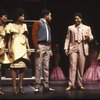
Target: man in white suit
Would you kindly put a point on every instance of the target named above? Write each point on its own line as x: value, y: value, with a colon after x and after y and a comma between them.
x: 77, y: 48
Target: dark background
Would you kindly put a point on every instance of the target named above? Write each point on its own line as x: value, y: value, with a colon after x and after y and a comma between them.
x: 62, y: 16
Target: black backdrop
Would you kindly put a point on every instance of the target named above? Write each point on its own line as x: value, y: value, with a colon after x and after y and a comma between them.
x: 62, y: 16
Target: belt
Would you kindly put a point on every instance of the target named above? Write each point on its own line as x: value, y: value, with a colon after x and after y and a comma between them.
x: 44, y: 43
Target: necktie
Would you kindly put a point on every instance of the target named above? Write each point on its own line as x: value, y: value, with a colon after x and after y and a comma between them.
x: 48, y: 32
x: 79, y: 35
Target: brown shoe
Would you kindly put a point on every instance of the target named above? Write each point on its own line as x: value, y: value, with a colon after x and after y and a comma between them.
x: 49, y: 89
x: 1, y: 92
x: 69, y: 88
x: 36, y: 90
x: 82, y: 88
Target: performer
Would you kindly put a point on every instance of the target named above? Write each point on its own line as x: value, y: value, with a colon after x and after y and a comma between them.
x: 41, y: 36
x: 56, y: 73
x: 19, y: 49
x: 77, y: 48
x: 3, y: 56
x: 93, y: 72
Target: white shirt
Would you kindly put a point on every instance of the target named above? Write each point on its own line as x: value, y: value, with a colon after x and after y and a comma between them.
x: 47, y: 31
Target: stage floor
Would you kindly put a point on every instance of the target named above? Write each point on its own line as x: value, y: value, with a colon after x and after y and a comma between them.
x: 92, y: 92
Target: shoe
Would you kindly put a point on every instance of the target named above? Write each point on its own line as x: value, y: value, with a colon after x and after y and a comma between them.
x: 21, y: 90
x: 49, y: 89
x: 1, y: 92
x: 36, y: 90
x: 82, y: 88
x: 69, y: 88
x: 15, y: 91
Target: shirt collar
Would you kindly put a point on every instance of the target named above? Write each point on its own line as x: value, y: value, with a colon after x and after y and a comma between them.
x: 43, y: 20
x: 79, y: 26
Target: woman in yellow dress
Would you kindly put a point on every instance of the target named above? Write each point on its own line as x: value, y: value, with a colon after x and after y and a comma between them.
x: 3, y: 56
x: 19, y: 49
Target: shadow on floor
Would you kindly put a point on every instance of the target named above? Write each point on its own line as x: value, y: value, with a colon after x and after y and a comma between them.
x: 92, y: 92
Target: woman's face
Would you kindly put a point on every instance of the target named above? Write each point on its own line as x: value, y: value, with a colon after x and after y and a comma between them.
x: 4, y: 18
x: 21, y: 18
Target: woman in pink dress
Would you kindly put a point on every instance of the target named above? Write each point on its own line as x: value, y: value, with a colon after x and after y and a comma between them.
x: 93, y: 72
x: 57, y: 73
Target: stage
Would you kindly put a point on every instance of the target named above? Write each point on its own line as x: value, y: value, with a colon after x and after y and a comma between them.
x: 92, y: 91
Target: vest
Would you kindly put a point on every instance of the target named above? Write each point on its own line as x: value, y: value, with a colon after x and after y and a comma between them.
x: 42, y: 34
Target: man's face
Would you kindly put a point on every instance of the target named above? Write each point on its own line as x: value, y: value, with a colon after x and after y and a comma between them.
x: 78, y: 20
x: 4, y: 18
x: 48, y: 17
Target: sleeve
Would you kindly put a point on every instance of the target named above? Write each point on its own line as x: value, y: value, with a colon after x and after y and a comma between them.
x: 35, y: 29
x: 67, y: 40
x: 8, y: 28
x: 26, y: 33
x: 25, y: 28
x: 90, y: 34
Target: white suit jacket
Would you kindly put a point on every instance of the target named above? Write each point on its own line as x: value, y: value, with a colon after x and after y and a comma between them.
x: 70, y: 41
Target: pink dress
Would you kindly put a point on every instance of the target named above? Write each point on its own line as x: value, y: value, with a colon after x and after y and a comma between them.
x: 93, y: 72
x: 57, y: 73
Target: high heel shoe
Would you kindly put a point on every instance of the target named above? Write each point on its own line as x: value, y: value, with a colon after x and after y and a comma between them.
x: 1, y: 92
x: 21, y: 90
x: 15, y: 91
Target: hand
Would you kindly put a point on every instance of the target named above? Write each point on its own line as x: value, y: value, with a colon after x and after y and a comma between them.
x: 66, y: 52
x: 86, y: 37
x: 2, y: 52
x: 29, y: 52
x: 11, y: 53
x: 51, y: 53
x: 37, y: 53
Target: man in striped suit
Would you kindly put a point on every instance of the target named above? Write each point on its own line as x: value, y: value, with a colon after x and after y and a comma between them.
x: 77, y: 48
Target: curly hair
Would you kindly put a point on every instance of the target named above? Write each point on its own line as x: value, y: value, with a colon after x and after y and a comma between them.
x: 78, y: 14
x: 17, y: 12
x: 2, y: 12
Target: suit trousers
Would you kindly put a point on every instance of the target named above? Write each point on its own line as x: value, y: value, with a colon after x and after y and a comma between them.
x: 77, y: 63
x: 42, y: 65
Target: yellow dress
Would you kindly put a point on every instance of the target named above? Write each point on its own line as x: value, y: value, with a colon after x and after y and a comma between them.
x: 98, y: 58
x: 3, y: 57
x: 18, y: 45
